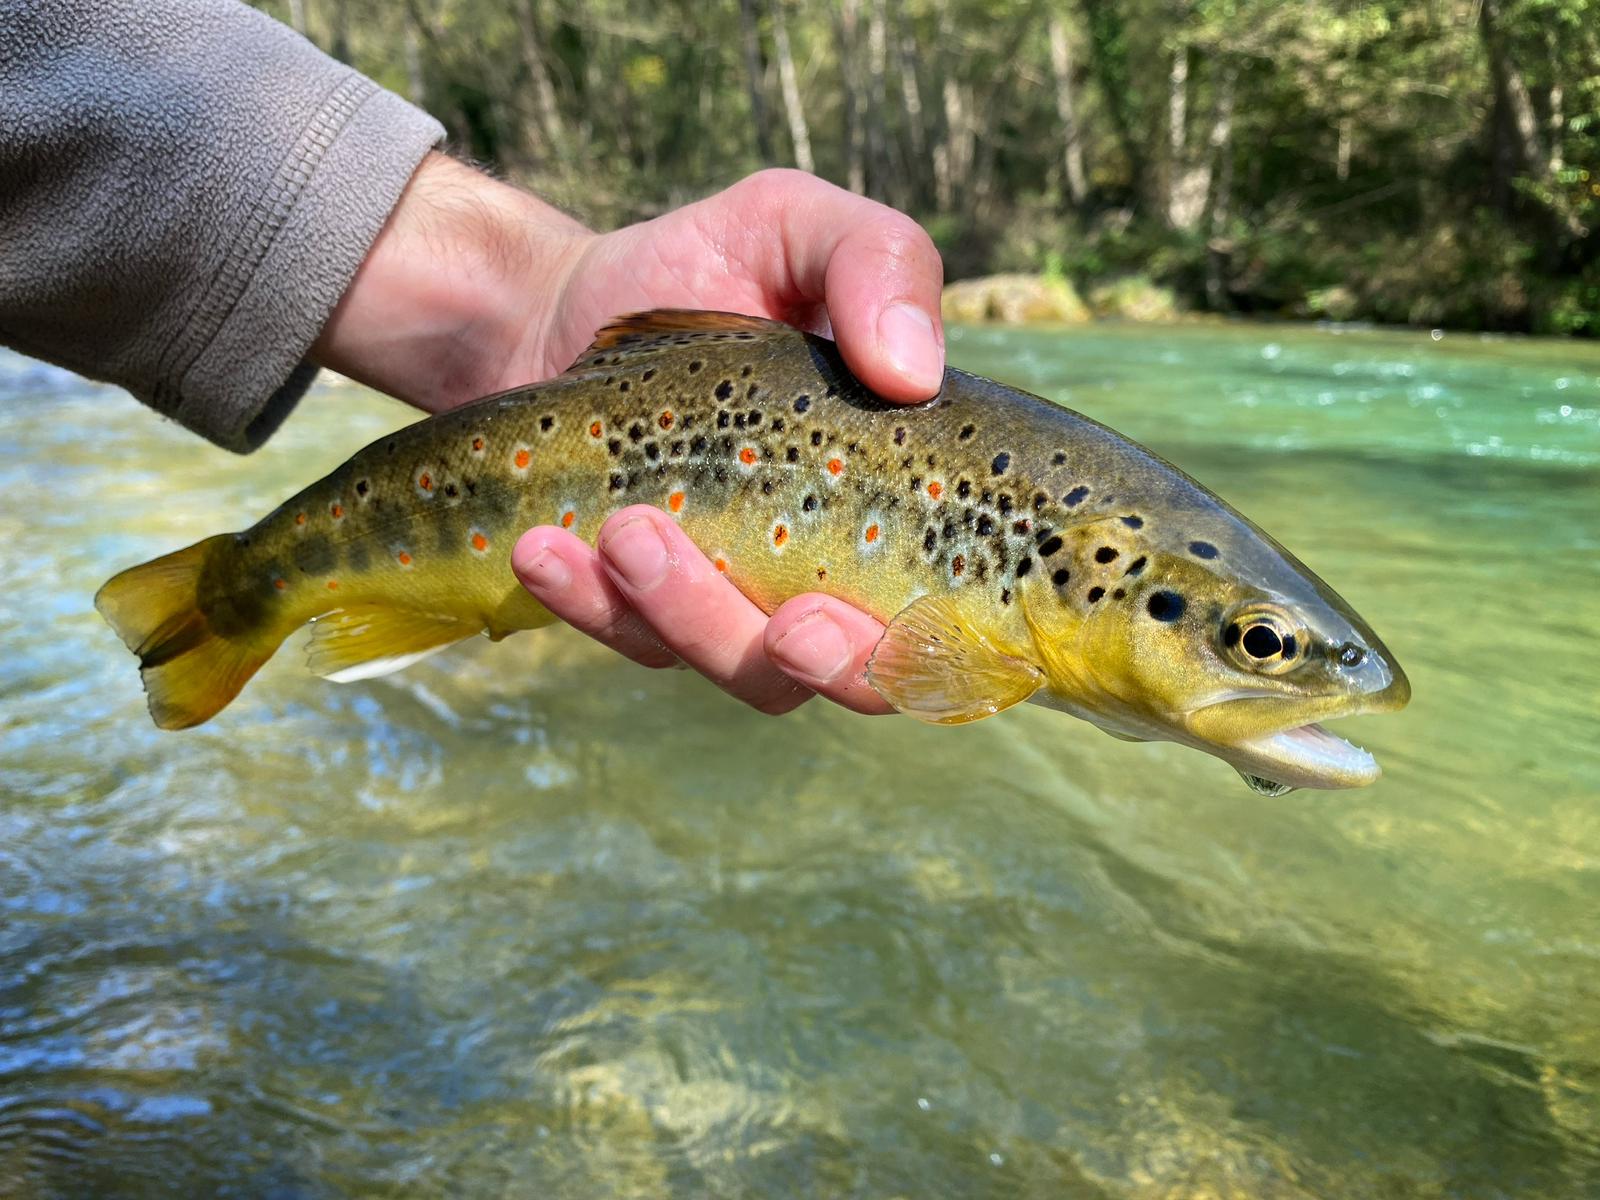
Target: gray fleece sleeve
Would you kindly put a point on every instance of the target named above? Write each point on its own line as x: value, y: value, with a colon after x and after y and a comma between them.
x: 186, y: 189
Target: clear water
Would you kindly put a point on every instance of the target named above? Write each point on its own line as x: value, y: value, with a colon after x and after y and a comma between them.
x: 528, y: 920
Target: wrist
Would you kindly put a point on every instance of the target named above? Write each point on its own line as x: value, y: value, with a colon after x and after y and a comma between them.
x: 458, y: 294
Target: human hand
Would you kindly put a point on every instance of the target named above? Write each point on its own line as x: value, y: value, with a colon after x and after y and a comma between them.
x: 443, y: 311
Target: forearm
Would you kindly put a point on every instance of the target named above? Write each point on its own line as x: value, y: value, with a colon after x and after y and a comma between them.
x: 453, y: 300
x: 186, y: 190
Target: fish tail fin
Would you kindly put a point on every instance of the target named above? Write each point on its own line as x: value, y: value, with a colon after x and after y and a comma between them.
x: 190, y: 671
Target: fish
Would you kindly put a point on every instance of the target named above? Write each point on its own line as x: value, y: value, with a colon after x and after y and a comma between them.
x: 1015, y: 550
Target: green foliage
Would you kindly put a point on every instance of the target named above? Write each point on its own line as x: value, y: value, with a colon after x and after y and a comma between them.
x: 1376, y: 159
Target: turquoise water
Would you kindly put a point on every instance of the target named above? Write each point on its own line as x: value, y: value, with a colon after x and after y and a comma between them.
x: 529, y: 920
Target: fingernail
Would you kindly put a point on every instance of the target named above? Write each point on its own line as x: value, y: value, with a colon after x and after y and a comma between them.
x: 905, y: 334
x: 637, y: 552
x: 814, y: 647
x: 546, y: 571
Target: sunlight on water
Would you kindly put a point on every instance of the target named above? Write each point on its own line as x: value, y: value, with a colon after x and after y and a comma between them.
x: 529, y: 920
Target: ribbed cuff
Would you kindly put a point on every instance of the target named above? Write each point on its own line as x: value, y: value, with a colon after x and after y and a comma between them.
x: 292, y: 261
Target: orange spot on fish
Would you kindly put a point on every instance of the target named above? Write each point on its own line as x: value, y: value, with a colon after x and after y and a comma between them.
x: 872, y: 533
x: 936, y: 489
x: 780, y: 534
x: 747, y: 456
x: 477, y: 445
x: 279, y: 584
x: 299, y: 518
x: 835, y: 466
x: 721, y: 564
x: 596, y: 428
x: 403, y: 558
x: 522, y: 458
x: 480, y: 543
x: 675, y: 502
x: 425, y: 482
x: 336, y: 511
x: 333, y: 585
x: 665, y: 419
x: 567, y: 518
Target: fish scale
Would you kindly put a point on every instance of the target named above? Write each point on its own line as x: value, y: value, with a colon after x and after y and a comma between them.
x: 1019, y: 523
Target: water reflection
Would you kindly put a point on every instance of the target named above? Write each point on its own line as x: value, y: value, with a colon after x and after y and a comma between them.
x: 529, y: 920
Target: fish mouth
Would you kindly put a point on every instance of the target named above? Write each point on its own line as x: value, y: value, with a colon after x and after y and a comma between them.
x: 1307, y: 756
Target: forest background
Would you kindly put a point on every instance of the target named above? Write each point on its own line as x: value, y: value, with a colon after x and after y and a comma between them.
x: 1433, y: 163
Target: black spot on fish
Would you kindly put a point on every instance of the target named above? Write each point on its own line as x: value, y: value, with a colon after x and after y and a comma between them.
x: 738, y: 420
x: 1105, y: 554
x: 623, y: 386
x: 615, y: 446
x: 648, y: 375
x: 1050, y: 545
x: 1000, y: 463
x: 1005, y: 504
x: 900, y: 435
x: 677, y: 449
x: 967, y: 431
x: 1075, y: 497
x: 698, y: 444
x: 390, y: 446
x: 766, y: 487
x: 1202, y: 549
x: 931, y: 461
x: 755, y: 416
x: 930, y: 539
x: 652, y: 451
x: 801, y: 403
x: 792, y: 454
x: 313, y: 554
x: 1169, y: 606
x: 1133, y: 522
x: 724, y: 389
x: 1024, y: 565
x: 964, y: 489
x: 546, y: 423
x: 618, y: 482
x: 451, y: 491
x: 985, y: 526
x: 1039, y: 501
x: 744, y: 371
x: 816, y: 437
x: 361, y: 487
x: 722, y: 420
x: 635, y: 432
x: 1005, y: 596
x: 949, y: 530
x: 1060, y: 458
x: 809, y: 504
x: 694, y: 367
x: 777, y: 425
x: 1136, y: 566
x: 1095, y: 593
x: 1060, y: 577
x: 1118, y: 593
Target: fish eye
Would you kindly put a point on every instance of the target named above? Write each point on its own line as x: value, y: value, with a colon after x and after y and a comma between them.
x: 1262, y: 640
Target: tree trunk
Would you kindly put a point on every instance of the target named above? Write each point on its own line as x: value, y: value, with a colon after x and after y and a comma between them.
x: 799, y: 131
x: 905, y: 63
x: 297, y: 16
x: 847, y: 29
x: 755, y: 73
x: 883, y: 180
x: 1219, y: 247
x: 1066, y: 111
x: 545, y: 133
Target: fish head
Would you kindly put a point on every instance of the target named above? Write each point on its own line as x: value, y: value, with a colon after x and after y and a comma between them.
x: 1225, y: 642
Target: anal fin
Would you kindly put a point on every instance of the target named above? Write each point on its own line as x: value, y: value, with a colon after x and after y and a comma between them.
x: 934, y: 664
x: 368, y: 640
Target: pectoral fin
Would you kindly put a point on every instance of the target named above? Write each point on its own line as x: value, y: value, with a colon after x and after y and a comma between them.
x: 935, y: 665
x: 365, y: 641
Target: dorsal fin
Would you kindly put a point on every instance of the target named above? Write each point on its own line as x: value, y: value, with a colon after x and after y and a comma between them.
x: 663, y: 324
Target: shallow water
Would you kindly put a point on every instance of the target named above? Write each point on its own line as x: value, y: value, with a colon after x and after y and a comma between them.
x: 530, y: 920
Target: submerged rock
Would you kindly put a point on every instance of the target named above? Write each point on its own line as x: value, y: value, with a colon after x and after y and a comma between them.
x: 1014, y: 300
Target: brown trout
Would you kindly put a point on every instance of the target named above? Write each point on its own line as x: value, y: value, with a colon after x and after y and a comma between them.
x: 1015, y: 549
